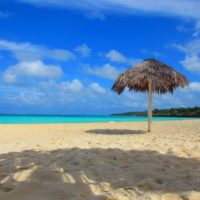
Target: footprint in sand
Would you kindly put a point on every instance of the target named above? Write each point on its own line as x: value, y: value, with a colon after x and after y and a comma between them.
x: 7, y: 184
x: 149, y: 184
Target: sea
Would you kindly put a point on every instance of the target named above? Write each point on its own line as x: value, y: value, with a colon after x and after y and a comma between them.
x: 51, y: 119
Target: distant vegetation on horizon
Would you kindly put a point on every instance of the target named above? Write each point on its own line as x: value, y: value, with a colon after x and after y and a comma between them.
x: 172, y: 112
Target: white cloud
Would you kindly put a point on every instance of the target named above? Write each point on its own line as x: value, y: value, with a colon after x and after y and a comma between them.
x: 67, y: 87
x: 23, y: 97
x: 45, y: 93
x: 116, y: 56
x: 192, y: 55
x: 52, y: 94
x: 192, y: 47
x: 192, y: 63
x: 197, y: 29
x: 84, y: 50
x: 106, y: 71
x: 182, y: 8
x: 97, y: 88
x: 74, y: 86
x: 60, y: 54
x: 30, y: 52
x: 33, y: 69
x: 195, y: 86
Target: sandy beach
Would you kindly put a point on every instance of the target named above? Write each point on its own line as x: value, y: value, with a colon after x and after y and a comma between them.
x: 100, y: 161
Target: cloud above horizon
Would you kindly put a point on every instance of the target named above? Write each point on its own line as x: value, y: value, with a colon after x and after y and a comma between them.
x: 14, y: 75
x: 47, y: 88
x: 107, y: 71
x: 97, y: 88
x: 83, y: 50
x: 117, y: 57
x: 27, y: 51
x: 192, y: 55
x: 74, y: 95
x: 180, y: 8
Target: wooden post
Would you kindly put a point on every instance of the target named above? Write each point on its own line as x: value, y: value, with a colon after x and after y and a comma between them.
x: 150, y: 107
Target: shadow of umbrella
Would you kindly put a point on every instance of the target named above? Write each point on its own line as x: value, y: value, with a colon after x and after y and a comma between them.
x: 115, y: 131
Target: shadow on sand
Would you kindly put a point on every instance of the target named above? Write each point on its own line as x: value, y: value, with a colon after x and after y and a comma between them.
x: 115, y: 131
x: 81, y: 173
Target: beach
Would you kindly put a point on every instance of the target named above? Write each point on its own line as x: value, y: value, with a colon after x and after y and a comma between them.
x: 100, y: 161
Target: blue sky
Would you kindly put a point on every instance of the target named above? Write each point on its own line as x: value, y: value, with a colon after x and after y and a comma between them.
x: 62, y: 56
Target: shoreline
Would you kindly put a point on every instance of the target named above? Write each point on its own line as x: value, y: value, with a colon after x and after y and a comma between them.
x: 164, y: 119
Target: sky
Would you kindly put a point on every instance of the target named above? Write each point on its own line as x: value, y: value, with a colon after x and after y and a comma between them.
x: 63, y: 56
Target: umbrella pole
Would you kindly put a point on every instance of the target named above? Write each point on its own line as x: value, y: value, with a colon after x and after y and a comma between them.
x: 150, y: 107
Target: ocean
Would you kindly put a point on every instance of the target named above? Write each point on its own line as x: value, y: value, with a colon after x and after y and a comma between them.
x: 48, y: 119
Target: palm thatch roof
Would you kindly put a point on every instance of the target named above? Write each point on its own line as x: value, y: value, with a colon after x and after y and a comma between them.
x: 163, y: 78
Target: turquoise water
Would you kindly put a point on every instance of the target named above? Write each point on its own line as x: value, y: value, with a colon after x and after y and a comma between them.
x: 41, y: 119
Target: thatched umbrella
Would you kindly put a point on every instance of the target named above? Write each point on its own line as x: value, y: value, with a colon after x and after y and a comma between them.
x: 150, y: 76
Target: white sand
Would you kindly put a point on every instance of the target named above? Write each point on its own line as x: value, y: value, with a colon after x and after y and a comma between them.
x: 106, y: 161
